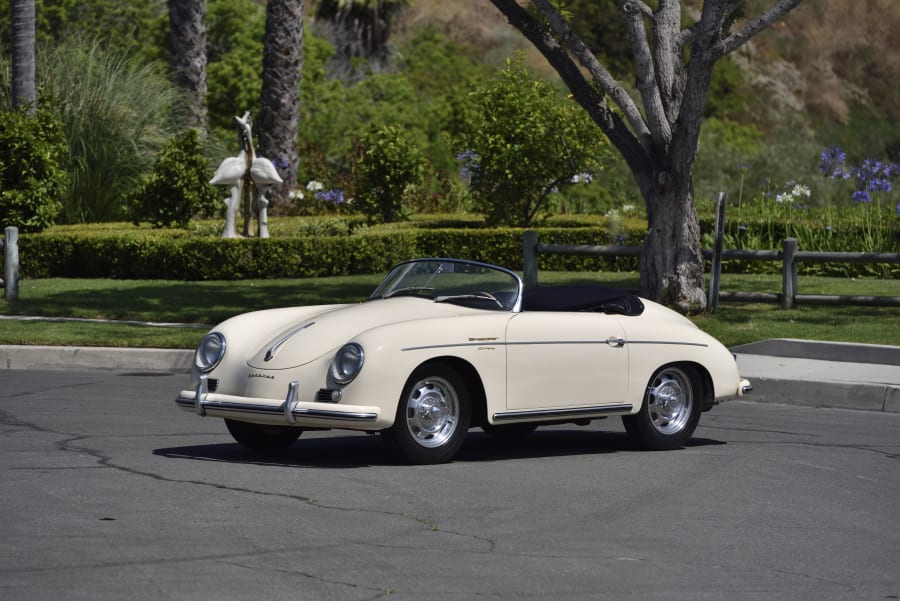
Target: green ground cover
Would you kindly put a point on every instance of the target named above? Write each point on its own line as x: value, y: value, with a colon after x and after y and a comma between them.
x: 205, y: 303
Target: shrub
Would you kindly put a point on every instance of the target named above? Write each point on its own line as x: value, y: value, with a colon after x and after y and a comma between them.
x: 389, y: 168
x: 177, y: 188
x: 32, y: 182
x: 525, y: 142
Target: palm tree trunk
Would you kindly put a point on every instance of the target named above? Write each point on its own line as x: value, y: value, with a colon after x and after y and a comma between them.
x: 280, y: 98
x: 24, y: 93
x: 188, y: 22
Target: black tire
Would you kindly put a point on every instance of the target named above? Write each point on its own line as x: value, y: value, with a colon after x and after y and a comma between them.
x: 432, y: 416
x: 509, y: 431
x: 670, y: 410
x: 266, y: 439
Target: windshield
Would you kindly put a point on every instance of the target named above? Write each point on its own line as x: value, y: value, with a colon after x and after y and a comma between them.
x: 454, y: 281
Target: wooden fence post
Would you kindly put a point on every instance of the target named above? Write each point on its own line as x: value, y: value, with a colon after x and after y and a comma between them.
x: 11, y: 264
x: 788, y: 273
x: 712, y: 303
x: 530, y: 269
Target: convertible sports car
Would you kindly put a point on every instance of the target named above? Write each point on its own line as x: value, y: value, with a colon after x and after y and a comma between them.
x: 443, y: 345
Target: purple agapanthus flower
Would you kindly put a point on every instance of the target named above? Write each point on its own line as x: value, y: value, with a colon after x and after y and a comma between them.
x: 469, y: 160
x: 334, y: 196
x: 861, y: 196
x: 832, y: 163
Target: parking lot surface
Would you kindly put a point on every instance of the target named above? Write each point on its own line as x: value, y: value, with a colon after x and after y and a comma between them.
x: 111, y: 492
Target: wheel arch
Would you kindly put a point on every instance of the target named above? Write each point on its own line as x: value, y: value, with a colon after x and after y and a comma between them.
x: 702, y: 376
x: 472, y: 379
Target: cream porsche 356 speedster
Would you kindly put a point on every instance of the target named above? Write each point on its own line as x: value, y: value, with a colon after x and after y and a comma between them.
x: 443, y: 345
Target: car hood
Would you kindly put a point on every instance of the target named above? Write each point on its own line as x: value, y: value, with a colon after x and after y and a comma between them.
x: 307, y: 339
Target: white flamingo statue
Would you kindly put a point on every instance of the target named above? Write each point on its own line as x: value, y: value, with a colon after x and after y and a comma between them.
x: 243, y: 173
x: 264, y: 176
x: 231, y: 173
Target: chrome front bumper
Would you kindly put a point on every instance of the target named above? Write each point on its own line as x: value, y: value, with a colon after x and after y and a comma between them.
x: 288, y: 411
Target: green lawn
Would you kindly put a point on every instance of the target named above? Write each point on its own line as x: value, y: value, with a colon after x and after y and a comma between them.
x: 206, y: 303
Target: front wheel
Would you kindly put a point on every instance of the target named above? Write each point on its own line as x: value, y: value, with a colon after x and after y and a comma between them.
x: 432, y: 415
x: 670, y: 411
x: 257, y: 437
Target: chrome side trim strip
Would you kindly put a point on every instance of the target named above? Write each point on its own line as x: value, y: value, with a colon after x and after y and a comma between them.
x: 619, y: 343
x: 560, y: 413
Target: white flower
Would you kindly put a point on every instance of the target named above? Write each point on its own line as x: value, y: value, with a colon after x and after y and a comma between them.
x: 627, y: 208
x: 295, y: 194
x: 579, y: 178
x: 800, y: 190
x: 315, y: 186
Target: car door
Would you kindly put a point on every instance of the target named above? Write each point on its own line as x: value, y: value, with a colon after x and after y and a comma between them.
x: 557, y: 360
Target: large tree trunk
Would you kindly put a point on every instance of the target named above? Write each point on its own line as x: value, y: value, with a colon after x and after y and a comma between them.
x: 188, y: 22
x: 672, y: 269
x: 24, y: 93
x: 280, y: 100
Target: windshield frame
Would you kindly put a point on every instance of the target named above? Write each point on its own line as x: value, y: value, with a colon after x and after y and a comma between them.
x: 400, y: 282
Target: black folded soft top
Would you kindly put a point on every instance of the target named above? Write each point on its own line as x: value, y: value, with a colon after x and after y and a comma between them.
x: 582, y: 297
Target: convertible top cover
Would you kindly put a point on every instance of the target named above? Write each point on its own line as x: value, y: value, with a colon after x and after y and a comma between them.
x: 582, y: 297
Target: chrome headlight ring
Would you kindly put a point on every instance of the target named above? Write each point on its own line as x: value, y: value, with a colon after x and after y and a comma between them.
x: 209, y: 352
x: 347, y: 363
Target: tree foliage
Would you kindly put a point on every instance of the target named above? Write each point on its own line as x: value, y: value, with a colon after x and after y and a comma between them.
x: 32, y: 179
x: 523, y: 142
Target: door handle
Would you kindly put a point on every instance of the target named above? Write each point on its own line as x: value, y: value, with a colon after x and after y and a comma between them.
x: 615, y: 341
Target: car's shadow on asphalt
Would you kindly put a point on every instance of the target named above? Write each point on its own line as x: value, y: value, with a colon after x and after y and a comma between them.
x: 355, y: 451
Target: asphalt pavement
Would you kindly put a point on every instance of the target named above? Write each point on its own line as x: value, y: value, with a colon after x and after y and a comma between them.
x: 785, y: 371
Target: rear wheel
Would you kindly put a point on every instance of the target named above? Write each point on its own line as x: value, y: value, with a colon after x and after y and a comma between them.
x: 432, y: 416
x: 670, y: 411
x: 258, y: 437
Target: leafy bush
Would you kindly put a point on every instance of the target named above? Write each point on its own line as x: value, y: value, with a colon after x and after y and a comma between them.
x: 32, y: 182
x: 525, y: 142
x: 389, y: 169
x: 177, y: 188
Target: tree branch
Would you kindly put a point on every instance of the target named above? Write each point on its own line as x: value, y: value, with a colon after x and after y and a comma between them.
x: 628, y: 142
x: 597, y: 72
x: 645, y: 72
x: 755, y: 26
x: 667, y: 50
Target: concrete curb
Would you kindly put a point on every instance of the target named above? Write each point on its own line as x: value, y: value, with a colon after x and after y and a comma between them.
x: 109, y: 358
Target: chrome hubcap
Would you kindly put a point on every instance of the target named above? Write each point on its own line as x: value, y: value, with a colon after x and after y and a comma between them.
x: 669, y: 401
x: 432, y: 412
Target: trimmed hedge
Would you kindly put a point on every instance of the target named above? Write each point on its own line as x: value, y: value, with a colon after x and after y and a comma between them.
x: 152, y: 255
x: 127, y: 252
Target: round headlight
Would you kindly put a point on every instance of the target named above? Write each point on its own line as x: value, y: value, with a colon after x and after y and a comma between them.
x: 347, y: 363
x: 209, y: 352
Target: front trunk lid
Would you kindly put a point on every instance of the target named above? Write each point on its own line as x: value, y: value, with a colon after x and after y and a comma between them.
x: 308, y: 339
